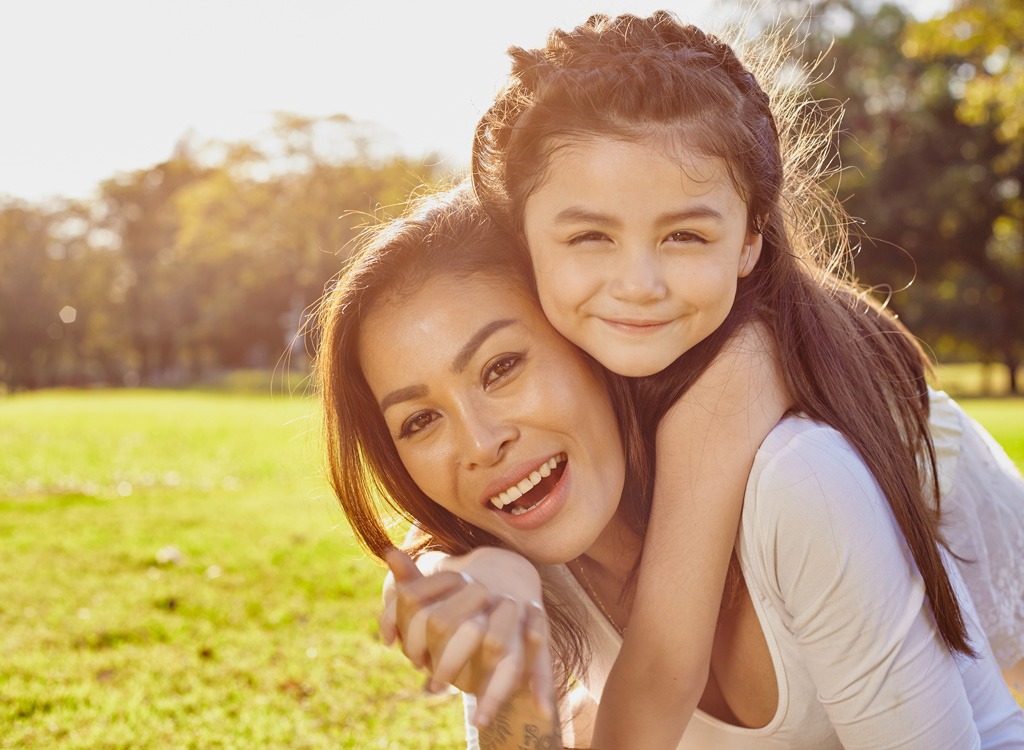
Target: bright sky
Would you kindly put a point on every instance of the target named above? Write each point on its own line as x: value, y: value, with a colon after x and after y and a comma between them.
x: 91, y: 88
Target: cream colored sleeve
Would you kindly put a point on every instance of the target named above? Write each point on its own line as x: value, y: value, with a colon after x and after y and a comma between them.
x: 834, y: 559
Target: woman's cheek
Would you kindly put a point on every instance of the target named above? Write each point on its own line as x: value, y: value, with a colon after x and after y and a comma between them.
x: 422, y: 468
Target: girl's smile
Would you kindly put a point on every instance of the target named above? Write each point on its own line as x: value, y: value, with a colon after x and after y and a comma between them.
x: 637, y: 249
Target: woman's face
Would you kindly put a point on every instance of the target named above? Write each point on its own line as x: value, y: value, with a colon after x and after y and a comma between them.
x: 495, y: 416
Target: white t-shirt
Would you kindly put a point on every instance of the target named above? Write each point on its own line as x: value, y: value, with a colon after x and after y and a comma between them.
x: 843, y: 609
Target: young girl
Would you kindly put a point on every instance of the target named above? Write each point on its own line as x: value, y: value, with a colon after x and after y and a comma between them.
x: 643, y: 165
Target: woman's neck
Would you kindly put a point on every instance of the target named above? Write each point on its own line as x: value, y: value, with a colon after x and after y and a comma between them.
x: 615, y: 553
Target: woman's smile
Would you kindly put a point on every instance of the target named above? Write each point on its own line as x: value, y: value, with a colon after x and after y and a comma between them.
x: 495, y: 416
x: 531, y: 489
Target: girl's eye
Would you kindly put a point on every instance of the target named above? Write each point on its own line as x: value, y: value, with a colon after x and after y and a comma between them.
x: 500, y: 368
x: 416, y: 423
x: 685, y: 236
x: 585, y: 237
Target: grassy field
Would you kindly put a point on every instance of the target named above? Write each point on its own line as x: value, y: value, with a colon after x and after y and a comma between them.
x: 175, y: 574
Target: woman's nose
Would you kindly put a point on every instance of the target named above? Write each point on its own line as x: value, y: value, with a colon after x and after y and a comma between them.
x: 487, y: 436
x: 638, y: 278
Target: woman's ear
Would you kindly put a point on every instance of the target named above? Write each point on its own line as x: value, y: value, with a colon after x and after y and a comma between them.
x: 749, y: 254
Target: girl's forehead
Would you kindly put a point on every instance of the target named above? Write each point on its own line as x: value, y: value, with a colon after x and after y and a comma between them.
x: 659, y: 145
x: 624, y: 169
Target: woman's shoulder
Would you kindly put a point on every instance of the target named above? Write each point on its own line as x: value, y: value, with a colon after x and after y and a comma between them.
x: 815, y: 521
x: 798, y: 444
x: 807, y: 475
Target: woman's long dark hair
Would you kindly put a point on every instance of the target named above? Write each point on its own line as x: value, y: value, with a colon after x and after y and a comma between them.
x: 442, y: 235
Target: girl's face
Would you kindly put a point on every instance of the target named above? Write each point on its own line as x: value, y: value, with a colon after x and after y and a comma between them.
x: 495, y: 416
x: 637, y: 249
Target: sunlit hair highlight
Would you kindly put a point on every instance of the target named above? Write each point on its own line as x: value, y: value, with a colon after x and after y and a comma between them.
x: 845, y: 359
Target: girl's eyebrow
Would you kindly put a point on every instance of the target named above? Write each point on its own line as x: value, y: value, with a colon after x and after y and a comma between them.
x: 577, y: 214
x: 458, y: 364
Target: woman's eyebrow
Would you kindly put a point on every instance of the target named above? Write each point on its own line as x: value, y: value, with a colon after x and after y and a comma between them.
x: 476, y: 341
x: 458, y: 364
x: 402, y: 394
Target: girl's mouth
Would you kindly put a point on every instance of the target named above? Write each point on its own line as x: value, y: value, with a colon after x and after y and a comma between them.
x: 636, y: 326
x: 526, y: 495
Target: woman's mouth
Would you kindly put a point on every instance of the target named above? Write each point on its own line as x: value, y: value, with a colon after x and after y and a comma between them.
x: 531, y: 490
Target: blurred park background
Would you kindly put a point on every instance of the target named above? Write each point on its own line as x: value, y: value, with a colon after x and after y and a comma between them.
x: 174, y: 573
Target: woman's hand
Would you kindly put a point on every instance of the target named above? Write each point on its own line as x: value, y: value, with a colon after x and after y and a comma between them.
x: 487, y: 636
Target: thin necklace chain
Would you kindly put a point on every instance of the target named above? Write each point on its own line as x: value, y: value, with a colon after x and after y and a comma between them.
x: 596, y: 598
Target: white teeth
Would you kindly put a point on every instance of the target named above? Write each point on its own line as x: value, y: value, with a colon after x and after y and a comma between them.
x: 516, y: 491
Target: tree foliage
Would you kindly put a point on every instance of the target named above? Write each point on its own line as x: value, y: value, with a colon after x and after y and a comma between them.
x: 210, y: 259
x: 206, y: 261
x: 931, y: 151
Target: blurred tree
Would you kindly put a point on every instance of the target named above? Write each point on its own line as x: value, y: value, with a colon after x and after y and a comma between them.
x: 980, y: 44
x: 208, y: 260
x: 29, y: 303
x: 139, y: 209
x: 930, y: 179
x: 264, y: 231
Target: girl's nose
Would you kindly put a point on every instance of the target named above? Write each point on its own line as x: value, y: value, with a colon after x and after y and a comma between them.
x: 638, y: 278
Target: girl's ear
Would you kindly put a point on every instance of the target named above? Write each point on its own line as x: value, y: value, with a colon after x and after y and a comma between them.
x: 750, y: 254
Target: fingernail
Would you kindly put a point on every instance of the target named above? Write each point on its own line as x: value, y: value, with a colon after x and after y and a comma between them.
x: 481, y: 720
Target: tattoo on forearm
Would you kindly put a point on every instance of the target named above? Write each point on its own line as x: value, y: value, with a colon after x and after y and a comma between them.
x: 501, y: 734
x: 534, y: 740
x: 499, y: 731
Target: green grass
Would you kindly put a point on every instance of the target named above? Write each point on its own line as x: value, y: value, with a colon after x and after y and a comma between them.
x: 176, y: 574
x: 1004, y: 419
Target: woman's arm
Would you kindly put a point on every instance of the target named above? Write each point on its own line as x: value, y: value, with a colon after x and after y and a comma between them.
x: 444, y: 614
x: 514, y: 728
x: 705, y: 447
x: 824, y: 545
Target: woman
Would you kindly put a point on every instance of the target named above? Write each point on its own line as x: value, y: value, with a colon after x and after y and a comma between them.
x: 445, y: 387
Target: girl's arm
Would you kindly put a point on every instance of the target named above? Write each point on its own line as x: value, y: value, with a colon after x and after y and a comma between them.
x: 705, y: 448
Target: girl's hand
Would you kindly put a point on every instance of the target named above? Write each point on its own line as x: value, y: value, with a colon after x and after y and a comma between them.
x: 481, y: 638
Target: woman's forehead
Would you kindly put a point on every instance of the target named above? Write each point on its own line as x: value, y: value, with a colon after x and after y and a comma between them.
x: 445, y: 310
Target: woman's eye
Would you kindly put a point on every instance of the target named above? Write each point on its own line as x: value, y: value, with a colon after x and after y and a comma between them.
x: 585, y: 237
x: 416, y: 423
x: 500, y: 368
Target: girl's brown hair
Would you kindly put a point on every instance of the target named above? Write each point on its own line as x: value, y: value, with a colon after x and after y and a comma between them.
x: 846, y: 361
x: 441, y: 235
